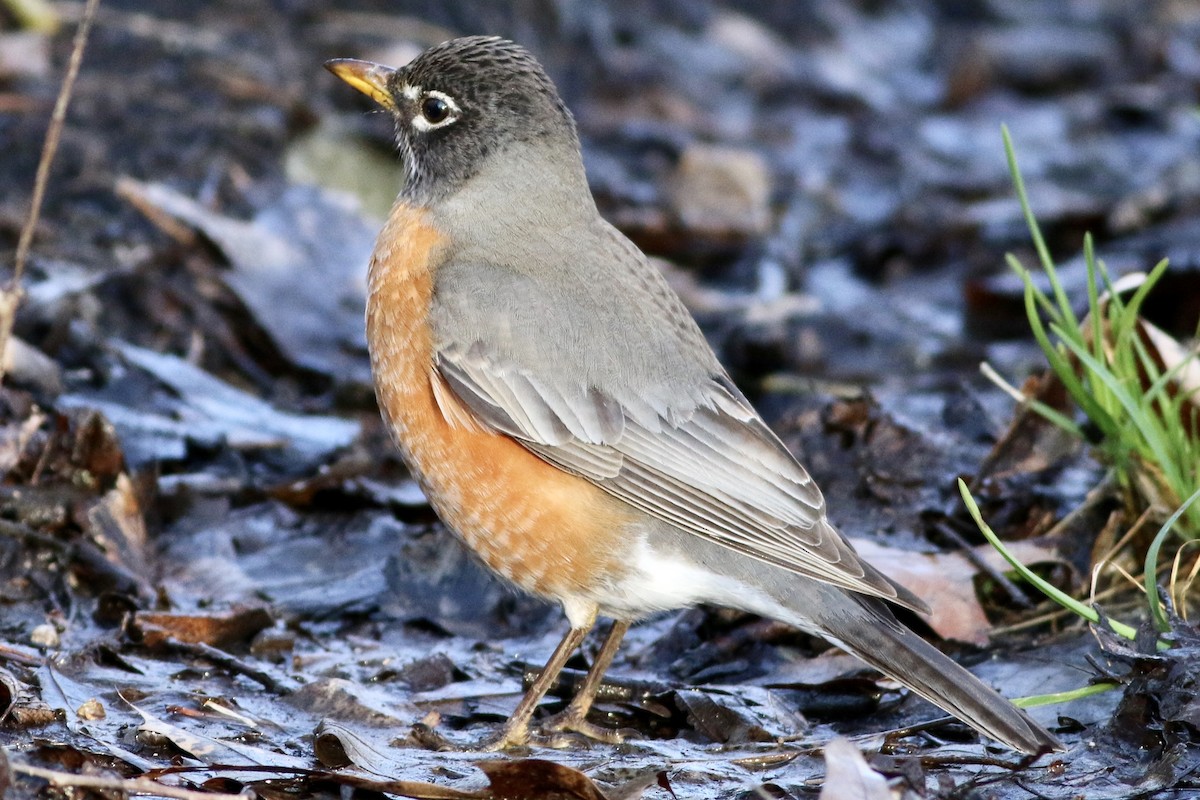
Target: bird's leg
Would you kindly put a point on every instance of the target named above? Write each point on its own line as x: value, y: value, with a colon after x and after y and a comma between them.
x: 516, y: 730
x: 574, y: 717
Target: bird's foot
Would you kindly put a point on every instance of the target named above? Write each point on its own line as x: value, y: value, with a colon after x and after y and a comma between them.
x: 571, y: 720
x: 553, y: 733
x: 425, y: 734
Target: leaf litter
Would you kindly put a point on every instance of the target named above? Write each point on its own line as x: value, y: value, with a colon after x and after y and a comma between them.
x: 217, y: 576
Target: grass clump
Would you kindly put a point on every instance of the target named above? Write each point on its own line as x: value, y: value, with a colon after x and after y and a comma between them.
x: 1139, y: 392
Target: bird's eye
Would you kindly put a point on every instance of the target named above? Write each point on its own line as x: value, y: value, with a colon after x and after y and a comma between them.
x: 435, y: 110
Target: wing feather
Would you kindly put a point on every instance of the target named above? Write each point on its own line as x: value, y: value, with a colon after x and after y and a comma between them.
x: 718, y: 473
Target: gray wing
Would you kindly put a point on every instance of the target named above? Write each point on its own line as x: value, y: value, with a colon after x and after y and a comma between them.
x: 648, y: 414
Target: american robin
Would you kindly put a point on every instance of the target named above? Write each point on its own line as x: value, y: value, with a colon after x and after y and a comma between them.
x: 565, y: 415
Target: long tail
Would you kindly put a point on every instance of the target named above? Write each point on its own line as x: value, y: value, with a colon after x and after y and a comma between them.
x: 866, y: 628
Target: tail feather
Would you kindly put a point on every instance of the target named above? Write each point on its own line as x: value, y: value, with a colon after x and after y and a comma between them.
x: 867, y: 629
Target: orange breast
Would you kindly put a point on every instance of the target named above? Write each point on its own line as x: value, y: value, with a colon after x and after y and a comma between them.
x: 546, y: 530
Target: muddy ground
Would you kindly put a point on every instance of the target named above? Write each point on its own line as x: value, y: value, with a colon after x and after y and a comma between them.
x: 214, y: 571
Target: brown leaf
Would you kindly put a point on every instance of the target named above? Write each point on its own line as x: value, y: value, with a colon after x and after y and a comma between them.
x: 116, y: 523
x: 946, y: 582
x: 537, y: 779
x: 218, y: 629
x: 15, y: 437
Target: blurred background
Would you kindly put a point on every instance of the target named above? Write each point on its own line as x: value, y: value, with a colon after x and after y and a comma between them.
x: 190, y: 452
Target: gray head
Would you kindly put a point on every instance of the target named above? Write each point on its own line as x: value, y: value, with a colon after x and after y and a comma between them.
x: 459, y: 103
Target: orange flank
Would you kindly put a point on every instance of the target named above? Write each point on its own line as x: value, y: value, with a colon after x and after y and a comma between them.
x: 546, y: 530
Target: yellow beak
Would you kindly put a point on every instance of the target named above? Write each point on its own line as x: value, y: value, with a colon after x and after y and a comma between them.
x: 368, y: 77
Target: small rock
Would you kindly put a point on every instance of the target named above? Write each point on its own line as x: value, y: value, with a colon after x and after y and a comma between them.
x: 768, y: 57
x: 722, y: 190
x: 91, y: 709
x: 45, y: 635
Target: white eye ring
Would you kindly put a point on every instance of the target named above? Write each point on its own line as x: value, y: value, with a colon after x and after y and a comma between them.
x: 443, y: 106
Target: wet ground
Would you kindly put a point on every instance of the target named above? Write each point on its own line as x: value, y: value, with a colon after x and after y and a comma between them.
x: 214, y: 570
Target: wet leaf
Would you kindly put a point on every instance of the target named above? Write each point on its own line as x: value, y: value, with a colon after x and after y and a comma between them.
x: 848, y: 777
x: 336, y: 745
x: 299, y: 265
x: 736, y: 715
x: 537, y: 779
x: 116, y: 523
x: 350, y: 702
x: 202, y: 408
x: 214, y: 751
x: 10, y: 692
x: 217, y: 628
x: 946, y: 582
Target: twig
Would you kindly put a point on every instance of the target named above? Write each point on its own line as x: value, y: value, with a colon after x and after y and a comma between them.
x: 129, y: 785
x: 19, y: 654
x: 10, y: 297
x: 233, y: 664
x: 1014, y: 592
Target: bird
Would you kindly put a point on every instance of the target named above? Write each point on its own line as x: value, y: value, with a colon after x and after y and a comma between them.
x: 565, y: 415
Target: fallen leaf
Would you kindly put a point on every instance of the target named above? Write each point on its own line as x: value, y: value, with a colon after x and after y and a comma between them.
x: 537, y: 779
x: 218, y: 629
x: 946, y: 582
x: 848, y: 777
x: 299, y: 265
x: 215, y: 751
x: 203, y: 408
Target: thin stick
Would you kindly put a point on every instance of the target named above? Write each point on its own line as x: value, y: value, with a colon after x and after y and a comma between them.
x: 11, y: 296
x: 128, y: 785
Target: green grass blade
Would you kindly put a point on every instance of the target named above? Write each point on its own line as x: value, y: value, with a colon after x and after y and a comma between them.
x: 1036, y: 700
x: 1035, y: 232
x: 1093, y: 290
x: 1051, y: 310
x: 1130, y: 311
x: 1150, y: 575
x: 1152, y: 436
x: 1065, y: 371
x: 1048, y: 589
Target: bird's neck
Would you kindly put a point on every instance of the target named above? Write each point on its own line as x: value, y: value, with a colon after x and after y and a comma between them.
x: 521, y: 193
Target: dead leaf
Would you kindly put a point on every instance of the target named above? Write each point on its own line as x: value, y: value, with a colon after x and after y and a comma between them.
x: 215, y: 751
x: 946, y: 582
x: 1031, y: 442
x: 203, y: 408
x: 299, y: 265
x: 15, y: 438
x: 217, y: 629
x: 115, y: 522
x: 740, y: 714
x: 348, y: 701
x: 336, y: 746
x: 10, y: 692
x: 848, y: 777
x: 537, y: 779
